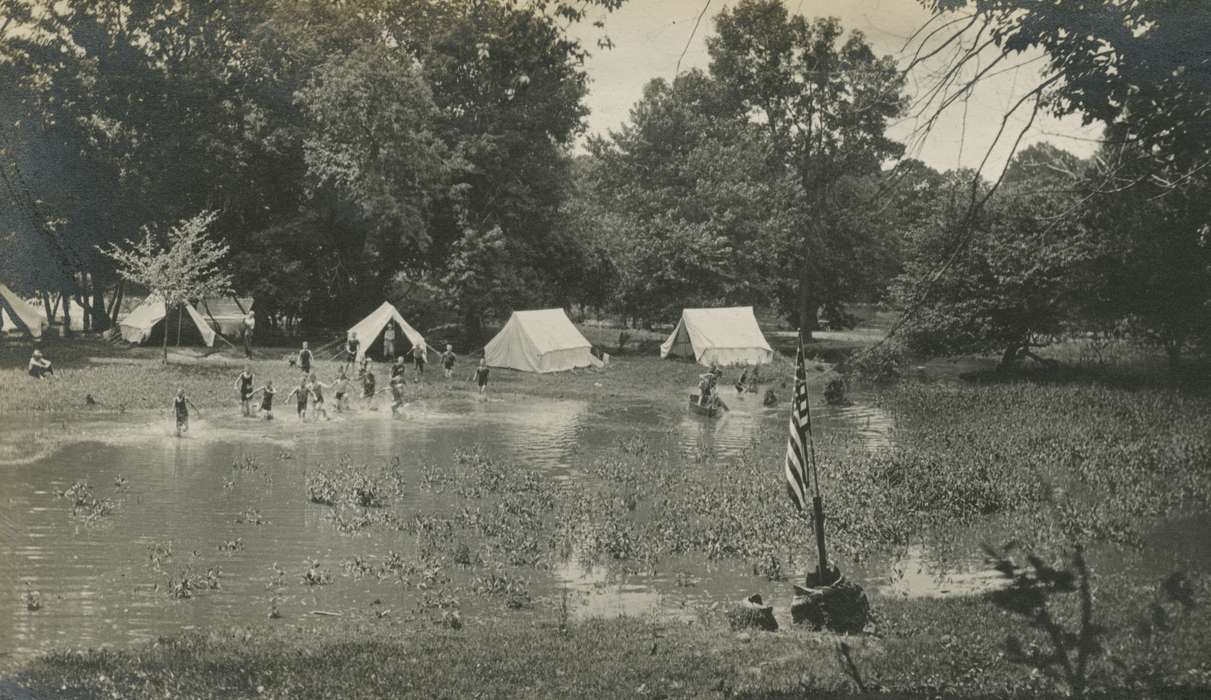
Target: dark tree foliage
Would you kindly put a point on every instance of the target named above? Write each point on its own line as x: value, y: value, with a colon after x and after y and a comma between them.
x: 154, y: 110
x: 1020, y: 281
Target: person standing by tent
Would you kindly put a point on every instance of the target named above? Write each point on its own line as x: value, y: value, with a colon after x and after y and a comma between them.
x: 181, y: 405
x: 243, y: 384
x: 481, y: 377
x: 305, y: 360
x: 249, y: 324
x: 448, y: 358
x: 418, y: 358
x: 39, y: 366
x: 352, y: 346
x: 267, y: 393
x: 389, y: 341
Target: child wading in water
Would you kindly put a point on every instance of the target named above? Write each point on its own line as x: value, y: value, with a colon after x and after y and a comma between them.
x: 481, y: 377
x: 341, y: 386
x: 181, y: 404
x: 244, y: 385
x: 267, y: 393
x: 448, y: 358
x: 397, y: 396
x: 305, y: 359
x: 301, y: 393
x: 368, y: 388
x: 317, y: 396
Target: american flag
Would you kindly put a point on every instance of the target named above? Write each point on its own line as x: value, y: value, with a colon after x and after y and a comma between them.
x: 797, y: 444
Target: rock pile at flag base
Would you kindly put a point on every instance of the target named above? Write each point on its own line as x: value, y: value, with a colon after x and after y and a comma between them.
x: 836, y: 604
x: 751, y: 613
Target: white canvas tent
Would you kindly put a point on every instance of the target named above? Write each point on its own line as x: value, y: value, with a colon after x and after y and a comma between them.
x: 138, y: 324
x: 370, y: 328
x: 18, y: 314
x: 723, y: 337
x: 540, y: 341
x: 226, y: 314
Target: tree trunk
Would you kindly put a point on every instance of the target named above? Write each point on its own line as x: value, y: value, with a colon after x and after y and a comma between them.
x: 179, y: 315
x: 65, y: 297
x: 473, y: 327
x: 116, y: 305
x: 1173, y: 351
x: 1009, y: 357
x: 808, y: 308
x: 165, y: 332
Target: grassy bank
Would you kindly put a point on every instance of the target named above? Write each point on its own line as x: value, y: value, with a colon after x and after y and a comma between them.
x: 131, y: 379
x: 929, y: 648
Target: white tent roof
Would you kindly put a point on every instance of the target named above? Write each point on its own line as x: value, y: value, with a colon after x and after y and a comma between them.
x: 137, y: 325
x: 16, y: 313
x: 727, y: 336
x: 369, y: 328
x: 540, y: 341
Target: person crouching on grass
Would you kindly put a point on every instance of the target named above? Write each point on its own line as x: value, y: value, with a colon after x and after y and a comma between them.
x: 40, y: 367
x: 481, y: 378
x: 301, y: 394
x: 448, y: 358
x: 267, y: 393
x: 243, y: 384
x: 181, y: 404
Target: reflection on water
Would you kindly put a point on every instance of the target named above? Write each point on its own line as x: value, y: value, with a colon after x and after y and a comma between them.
x: 99, y: 585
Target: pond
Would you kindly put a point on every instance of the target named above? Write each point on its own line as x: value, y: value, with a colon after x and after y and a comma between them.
x: 179, y: 505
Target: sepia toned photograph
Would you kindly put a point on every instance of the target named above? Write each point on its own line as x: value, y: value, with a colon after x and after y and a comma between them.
x: 768, y: 349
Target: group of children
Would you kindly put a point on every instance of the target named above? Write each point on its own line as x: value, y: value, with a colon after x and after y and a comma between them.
x: 310, y: 391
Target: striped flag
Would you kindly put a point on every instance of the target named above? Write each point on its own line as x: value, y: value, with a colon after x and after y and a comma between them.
x: 797, y: 443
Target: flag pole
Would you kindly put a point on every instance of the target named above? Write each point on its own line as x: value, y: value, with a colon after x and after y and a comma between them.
x: 817, y: 500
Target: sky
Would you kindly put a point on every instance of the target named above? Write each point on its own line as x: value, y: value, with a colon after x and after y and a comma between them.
x: 650, y: 35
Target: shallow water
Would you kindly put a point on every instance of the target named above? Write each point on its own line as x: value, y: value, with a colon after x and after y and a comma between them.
x: 99, y: 586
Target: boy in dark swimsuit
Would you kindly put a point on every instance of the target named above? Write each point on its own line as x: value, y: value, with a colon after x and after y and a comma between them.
x: 267, y: 393
x: 368, y: 387
x: 305, y: 359
x: 181, y: 404
x: 397, y: 369
x: 448, y: 358
x: 301, y: 394
x: 419, y: 359
x: 317, y: 396
x: 481, y: 377
x: 397, y: 396
x: 243, y: 384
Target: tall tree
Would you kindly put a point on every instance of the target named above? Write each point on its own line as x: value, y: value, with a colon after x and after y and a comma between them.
x: 181, y: 266
x: 825, y: 101
x: 690, y: 198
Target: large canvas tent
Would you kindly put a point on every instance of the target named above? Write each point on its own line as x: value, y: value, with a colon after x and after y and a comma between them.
x: 724, y: 337
x: 370, y: 328
x: 18, y: 314
x: 138, y: 325
x: 540, y: 341
x: 226, y: 314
